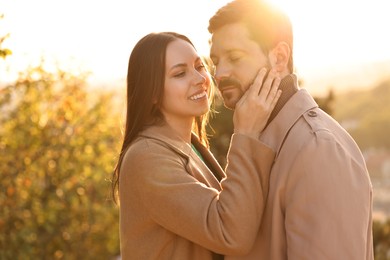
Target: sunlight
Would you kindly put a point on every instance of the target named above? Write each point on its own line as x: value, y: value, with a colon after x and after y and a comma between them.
x: 99, y: 35
x: 335, y: 31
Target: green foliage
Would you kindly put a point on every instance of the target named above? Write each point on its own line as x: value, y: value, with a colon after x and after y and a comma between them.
x: 4, y: 52
x: 381, y: 232
x: 366, y: 115
x: 326, y: 103
x: 57, y: 149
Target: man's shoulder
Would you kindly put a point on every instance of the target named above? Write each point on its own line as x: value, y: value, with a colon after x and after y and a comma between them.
x: 315, y: 124
x: 318, y: 120
x: 319, y: 127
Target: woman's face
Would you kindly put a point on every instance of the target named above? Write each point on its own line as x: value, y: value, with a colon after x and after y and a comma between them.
x: 186, y: 83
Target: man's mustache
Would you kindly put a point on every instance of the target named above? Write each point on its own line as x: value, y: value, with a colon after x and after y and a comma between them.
x: 228, y: 82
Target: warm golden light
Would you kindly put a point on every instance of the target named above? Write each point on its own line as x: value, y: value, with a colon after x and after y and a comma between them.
x: 339, y: 31
x: 98, y: 36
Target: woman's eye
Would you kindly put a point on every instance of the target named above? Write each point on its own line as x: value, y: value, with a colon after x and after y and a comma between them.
x: 200, y: 67
x: 180, y: 74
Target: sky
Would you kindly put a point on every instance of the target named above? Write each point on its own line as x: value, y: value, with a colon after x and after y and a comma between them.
x: 98, y: 35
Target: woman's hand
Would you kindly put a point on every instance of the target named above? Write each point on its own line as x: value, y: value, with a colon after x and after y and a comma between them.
x: 255, y: 106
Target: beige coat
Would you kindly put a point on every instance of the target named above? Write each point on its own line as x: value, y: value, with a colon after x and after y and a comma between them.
x: 320, y: 196
x: 172, y: 206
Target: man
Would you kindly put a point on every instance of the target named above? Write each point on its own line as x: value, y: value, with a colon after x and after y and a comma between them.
x: 319, y: 204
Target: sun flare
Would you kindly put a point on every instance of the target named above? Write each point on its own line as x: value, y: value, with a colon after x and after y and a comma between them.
x: 100, y: 35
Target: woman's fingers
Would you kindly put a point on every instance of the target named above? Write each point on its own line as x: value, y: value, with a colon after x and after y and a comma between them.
x: 274, y: 94
x: 265, y: 86
x: 255, y: 106
x: 264, y: 89
x: 255, y: 88
x: 269, y: 87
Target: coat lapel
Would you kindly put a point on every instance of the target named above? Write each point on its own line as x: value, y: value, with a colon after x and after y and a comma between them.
x: 209, y: 159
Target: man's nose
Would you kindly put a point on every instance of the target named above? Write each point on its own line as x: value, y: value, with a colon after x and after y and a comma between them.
x: 221, y: 72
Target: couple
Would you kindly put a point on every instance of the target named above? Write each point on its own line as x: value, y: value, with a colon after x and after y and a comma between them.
x: 295, y: 185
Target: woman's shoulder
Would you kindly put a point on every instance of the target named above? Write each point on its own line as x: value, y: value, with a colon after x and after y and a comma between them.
x: 142, y: 151
x: 144, y: 145
x: 145, y: 154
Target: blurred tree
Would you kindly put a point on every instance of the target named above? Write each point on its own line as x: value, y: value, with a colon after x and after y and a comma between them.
x: 58, y: 145
x: 381, y: 235
x: 326, y: 103
x: 220, y: 128
x: 4, y: 52
x: 366, y: 115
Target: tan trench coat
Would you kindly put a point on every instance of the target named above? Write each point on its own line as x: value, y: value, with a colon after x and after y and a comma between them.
x: 172, y: 206
x: 319, y: 204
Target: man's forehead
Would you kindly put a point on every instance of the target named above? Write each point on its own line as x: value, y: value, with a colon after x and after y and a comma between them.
x: 220, y: 46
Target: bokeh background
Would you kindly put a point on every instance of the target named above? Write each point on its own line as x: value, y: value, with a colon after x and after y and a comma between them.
x: 63, y: 66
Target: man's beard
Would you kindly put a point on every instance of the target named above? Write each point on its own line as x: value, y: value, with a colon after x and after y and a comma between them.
x: 226, y: 85
x: 231, y: 82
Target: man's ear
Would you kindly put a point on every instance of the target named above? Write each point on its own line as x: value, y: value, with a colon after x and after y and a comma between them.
x: 279, y: 56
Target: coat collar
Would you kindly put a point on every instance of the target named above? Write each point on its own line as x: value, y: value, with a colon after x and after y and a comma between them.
x: 275, y: 133
x: 168, y: 136
x: 289, y: 86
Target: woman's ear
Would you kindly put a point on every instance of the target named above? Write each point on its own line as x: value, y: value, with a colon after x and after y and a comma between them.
x: 279, y: 57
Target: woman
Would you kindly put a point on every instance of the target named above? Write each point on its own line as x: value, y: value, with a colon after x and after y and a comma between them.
x: 173, y: 204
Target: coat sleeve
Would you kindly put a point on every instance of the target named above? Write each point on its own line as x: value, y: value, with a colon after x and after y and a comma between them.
x: 328, y: 203
x: 225, y: 222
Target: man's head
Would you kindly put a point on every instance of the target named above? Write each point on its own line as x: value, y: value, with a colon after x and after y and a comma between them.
x: 246, y: 36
